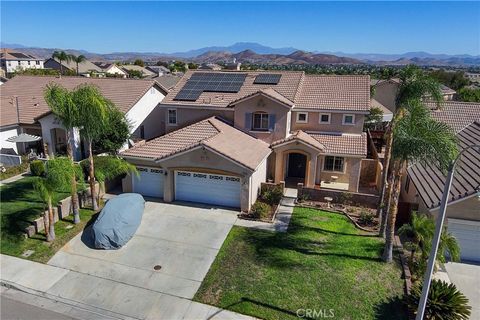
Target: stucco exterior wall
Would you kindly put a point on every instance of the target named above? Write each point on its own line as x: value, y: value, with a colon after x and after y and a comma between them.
x: 335, y: 125
x: 141, y: 111
x: 256, y: 180
x: 350, y: 175
x: 6, y: 133
x: 50, y: 122
x: 468, y: 209
x: 15, y: 65
x: 263, y: 104
x: 187, y: 116
x: 116, y: 70
x: 386, y: 93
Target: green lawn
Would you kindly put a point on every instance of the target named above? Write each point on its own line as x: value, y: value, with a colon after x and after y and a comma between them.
x: 322, y: 262
x: 19, y: 206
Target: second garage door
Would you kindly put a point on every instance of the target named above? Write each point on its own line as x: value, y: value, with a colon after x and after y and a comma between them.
x: 468, y: 236
x: 207, y: 188
x: 149, y: 182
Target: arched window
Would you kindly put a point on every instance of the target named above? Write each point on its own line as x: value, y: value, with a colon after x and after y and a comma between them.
x: 260, y: 121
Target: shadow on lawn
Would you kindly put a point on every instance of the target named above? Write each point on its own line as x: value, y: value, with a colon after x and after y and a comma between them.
x: 392, y: 309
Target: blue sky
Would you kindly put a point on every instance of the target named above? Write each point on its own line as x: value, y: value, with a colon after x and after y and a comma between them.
x: 380, y: 27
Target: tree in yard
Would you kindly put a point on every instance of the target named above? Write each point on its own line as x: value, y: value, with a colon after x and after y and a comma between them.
x: 417, y: 137
x: 374, y: 118
x: 139, y: 62
x: 61, y: 56
x: 469, y: 95
x: 78, y: 59
x: 415, y: 85
x: 93, y: 108
x: 57, y: 177
x: 114, y: 135
x: 61, y: 103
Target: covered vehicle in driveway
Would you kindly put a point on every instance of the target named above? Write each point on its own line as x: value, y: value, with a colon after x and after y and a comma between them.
x: 118, y: 221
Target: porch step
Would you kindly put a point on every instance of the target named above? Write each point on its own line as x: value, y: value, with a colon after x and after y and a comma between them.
x: 290, y: 193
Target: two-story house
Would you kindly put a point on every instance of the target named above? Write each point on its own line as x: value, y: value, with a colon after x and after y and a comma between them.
x: 227, y: 132
x: 12, y: 61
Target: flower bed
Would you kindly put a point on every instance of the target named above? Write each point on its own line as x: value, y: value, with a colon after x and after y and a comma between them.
x: 265, y: 208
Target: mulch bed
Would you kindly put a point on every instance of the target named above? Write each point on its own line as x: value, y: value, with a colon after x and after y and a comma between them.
x: 270, y: 218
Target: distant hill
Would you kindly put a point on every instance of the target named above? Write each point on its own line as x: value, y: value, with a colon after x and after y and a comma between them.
x: 250, y: 52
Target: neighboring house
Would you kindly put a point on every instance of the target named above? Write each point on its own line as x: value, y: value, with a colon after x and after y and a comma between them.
x: 167, y: 81
x: 159, y: 70
x: 424, y: 184
x: 145, y: 72
x: 3, y: 80
x: 386, y: 92
x: 23, y: 109
x: 112, y: 69
x: 474, y: 77
x: 226, y: 132
x: 84, y: 69
x: 12, y: 61
x: 210, y: 66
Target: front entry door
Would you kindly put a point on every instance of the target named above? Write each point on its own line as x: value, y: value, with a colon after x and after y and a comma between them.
x: 297, y: 164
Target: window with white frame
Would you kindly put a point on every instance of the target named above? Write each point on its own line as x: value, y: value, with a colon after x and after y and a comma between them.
x: 324, y: 118
x: 348, y: 119
x: 172, y: 116
x: 302, y: 117
x: 332, y: 163
x: 260, y: 121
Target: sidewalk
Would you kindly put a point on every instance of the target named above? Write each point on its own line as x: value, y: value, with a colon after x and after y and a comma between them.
x: 13, y: 179
x: 101, y: 298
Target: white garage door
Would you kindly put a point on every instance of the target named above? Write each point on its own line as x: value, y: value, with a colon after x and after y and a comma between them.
x: 207, y: 188
x: 468, y: 236
x: 149, y: 183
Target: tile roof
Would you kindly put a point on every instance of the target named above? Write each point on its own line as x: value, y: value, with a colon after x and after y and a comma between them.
x: 145, y: 71
x: 335, y: 93
x: 124, y: 93
x: 337, y: 143
x: 212, y: 133
x: 456, y: 114
x: 287, y: 87
x: 84, y: 67
x: 9, y: 54
x: 167, y: 81
x: 430, y: 181
x: 300, y: 135
x: 267, y: 92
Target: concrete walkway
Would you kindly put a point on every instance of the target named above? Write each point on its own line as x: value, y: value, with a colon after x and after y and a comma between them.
x: 282, y: 219
x: 466, y: 277
x: 13, y: 179
x: 100, y: 297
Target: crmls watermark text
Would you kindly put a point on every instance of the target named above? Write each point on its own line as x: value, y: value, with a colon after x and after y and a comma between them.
x: 315, y: 313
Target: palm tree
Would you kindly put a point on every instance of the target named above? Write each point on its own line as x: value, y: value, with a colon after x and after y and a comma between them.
x: 417, y: 138
x: 93, y: 108
x: 60, y: 102
x: 78, y: 59
x: 420, y: 229
x: 61, y: 56
x: 415, y: 85
x: 57, y: 177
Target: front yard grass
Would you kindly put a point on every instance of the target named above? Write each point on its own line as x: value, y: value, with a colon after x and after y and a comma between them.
x: 321, y: 263
x: 19, y: 206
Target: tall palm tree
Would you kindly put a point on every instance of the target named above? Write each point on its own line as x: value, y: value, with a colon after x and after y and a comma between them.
x: 93, y: 108
x: 61, y: 56
x: 417, y: 138
x: 78, y: 59
x: 57, y: 176
x: 61, y: 103
x: 415, y: 85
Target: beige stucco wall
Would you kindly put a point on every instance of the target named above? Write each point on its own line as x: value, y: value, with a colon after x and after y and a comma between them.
x: 263, y: 104
x: 256, y: 179
x: 468, y: 209
x: 188, y: 116
x: 334, y: 126
x: 351, y: 174
x: 386, y: 93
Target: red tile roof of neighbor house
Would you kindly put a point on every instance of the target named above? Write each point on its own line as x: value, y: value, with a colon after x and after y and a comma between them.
x: 124, y: 93
x: 212, y: 133
x: 456, y: 114
x: 316, y: 92
x: 430, y: 181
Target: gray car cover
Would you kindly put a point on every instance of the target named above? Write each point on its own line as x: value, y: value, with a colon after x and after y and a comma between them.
x: 118, y: 221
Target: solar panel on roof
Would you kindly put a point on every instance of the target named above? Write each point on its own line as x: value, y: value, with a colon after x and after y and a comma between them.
x: 19, y: 55
x: 210, y: 82
x: 267, y: 78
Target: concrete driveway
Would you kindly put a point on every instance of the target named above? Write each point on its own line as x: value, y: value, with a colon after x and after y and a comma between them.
x: 466, y: 278
x: 182, y: 240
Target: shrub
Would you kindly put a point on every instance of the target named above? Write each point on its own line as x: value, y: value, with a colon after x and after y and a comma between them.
x: 444, y: 301
x: 272, y: 196
x: 260, y: 210
x: 366, y: 218
x: 303, y: 197
x: 37, y: 168
x: 345, y: 198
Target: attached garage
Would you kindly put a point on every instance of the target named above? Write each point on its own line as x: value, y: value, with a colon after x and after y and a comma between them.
x: 149, y: 182
x: 215, y: 189
x: 467, y: 233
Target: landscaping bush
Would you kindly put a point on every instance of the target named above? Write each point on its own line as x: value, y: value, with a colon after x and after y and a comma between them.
x: 303, y: 197
x: 366, y: 218
x: 13, y: 171
x: 345, y: 198
x: 260, y: 210
x: 272, y: 196
x: 444, y: 301
x: 37, y: 168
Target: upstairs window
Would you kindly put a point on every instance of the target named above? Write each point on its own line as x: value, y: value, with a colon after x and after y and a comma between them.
x: 332, y: 163
x: 324, y: 118
x: 348, y: 119
x: 172, y: 116
x: 37, y: 62
x: 260, y: 121
x: 302, y: 117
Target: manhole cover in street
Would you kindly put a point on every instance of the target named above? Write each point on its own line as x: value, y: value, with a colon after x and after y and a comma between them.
x: 157, y: 267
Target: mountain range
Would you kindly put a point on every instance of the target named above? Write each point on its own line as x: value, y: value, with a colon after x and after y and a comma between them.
x: 257, y: 53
